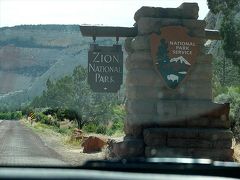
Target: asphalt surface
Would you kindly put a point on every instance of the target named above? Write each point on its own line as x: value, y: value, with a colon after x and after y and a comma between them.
x: 19, y: 145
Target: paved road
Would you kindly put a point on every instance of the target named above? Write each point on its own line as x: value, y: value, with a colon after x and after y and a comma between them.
x: 19, y: 145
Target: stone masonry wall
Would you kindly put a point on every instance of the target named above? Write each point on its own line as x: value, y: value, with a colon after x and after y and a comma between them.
x: 161, y: 122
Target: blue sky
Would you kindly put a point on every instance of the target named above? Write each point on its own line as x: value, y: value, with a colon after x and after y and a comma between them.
x: 104, y: 12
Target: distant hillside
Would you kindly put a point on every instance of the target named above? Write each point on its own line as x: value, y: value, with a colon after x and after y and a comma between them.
x: 30, y: 54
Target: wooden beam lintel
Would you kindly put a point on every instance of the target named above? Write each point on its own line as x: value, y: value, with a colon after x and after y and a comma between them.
x: 110, y: 31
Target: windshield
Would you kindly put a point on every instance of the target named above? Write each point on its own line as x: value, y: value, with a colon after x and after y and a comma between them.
x: 101, y: 80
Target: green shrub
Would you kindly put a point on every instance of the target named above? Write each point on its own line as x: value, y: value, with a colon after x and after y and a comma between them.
x: 232, y: 97
x: 50, y: 111
x: 26, y: 111
x: 67, y: 114
x: 118, y: 125
x: 61, y: 114
x: 90, y: 127
x: 4, y: 115
x: 40, y: 117
x: 101, y: 129
x: 236, y: 122
x: 17, y: 115
x: 44, y: 119
x: 11, y: 115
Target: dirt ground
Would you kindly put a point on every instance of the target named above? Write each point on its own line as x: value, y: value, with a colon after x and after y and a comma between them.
x: 72, y: 155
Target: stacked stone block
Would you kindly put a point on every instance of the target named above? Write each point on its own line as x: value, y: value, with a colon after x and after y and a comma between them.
x: 161, y: 122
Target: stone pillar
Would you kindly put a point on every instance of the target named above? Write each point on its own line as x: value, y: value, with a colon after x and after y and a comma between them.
x: 163, y: 122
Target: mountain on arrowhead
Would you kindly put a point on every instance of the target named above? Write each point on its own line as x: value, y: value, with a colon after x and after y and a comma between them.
x: 181, y: 60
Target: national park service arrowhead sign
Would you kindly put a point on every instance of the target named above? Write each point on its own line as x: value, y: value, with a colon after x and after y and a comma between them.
x: 174, y: 52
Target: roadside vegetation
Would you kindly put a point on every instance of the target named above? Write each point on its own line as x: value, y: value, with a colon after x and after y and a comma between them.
x: 232, y: 95
x: 226, y: 65
x: 68, y: 105
x: 71, y: 98
x: 60, y: 121
x: 11, y: 115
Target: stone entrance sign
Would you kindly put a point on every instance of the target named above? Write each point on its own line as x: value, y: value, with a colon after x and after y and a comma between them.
x: 105, y: 68
x: 174, y: 52
x: 166, y: 115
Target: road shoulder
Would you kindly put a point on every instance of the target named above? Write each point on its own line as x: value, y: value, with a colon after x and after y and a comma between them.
x: 72, y: 155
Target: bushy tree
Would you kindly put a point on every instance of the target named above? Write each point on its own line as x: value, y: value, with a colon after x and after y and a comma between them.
x: 230, y: 28
x: 217, y: 6
x: 73, y: 96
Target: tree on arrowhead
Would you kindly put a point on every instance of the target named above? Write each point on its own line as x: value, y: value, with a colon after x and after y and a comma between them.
x: 162, y: 54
